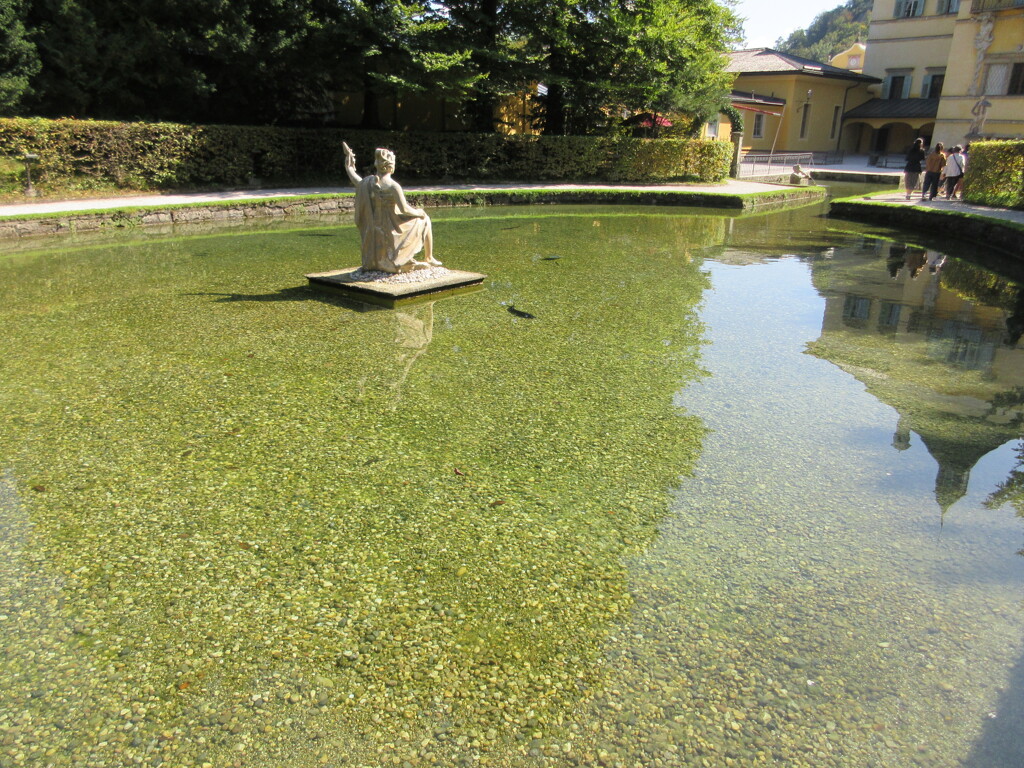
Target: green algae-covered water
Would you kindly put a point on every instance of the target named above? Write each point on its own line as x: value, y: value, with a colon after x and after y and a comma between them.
x: 742, y: 491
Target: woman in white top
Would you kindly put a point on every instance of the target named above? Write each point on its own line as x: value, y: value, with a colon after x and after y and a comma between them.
x: 954, y: 170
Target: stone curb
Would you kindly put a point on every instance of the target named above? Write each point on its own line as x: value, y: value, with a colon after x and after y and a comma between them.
x: 994, y: 233
x: 71, y: 222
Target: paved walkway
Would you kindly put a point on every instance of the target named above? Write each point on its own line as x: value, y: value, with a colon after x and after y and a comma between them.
x: 730, y: 187
x: 941, y: 204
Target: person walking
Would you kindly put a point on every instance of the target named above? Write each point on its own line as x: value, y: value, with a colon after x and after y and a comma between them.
x: 933, y: 166
x: 959, y: 189
x: 912, y: 170
x: 954, y: 170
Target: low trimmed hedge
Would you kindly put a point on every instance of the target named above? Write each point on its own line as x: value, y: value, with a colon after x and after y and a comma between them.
x: 173, y: 156
x: 995, y: 174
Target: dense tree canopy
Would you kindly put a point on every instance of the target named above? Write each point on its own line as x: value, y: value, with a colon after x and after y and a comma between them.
x: 18, y: 58
x: 282, y: 61
x: 831, y: 32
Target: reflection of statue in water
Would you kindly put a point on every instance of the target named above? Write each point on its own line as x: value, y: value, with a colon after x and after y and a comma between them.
x: 392, y: 231
x: 413, y: 333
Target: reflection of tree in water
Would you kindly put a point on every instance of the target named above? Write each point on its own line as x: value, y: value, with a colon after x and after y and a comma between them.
x: 1011, y: 490
x: 980, y: 285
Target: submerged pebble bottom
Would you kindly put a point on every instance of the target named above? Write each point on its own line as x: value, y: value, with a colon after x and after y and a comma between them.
x: 416, y: 276
x: 244, y: 526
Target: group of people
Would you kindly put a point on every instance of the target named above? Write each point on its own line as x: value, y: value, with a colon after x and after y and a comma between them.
x: 940, y: 169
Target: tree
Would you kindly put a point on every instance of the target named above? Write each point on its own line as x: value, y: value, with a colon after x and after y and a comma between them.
x: 830, y: 33
x: 19, y: 60
x: 400, y: 48
x: 604, y: 58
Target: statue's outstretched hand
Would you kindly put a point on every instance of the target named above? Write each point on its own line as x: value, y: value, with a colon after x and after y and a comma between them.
x: 350, y: 163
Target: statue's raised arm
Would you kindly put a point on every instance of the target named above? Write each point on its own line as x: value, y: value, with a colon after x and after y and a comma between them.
x: 350, y: 164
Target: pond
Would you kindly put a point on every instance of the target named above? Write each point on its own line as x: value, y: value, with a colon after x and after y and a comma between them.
x: 721, y: 491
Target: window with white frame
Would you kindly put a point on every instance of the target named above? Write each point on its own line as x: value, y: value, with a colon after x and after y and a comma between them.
x: 759, y: 126
x: 711, y: 130
x: 997, y: 79
x: 1004, y: 78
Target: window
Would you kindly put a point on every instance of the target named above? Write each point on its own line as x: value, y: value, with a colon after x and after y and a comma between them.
x: 853, y: 63
x: 758, y: 126
x: 856, y: 310
x: 897, y: 84
x: 805, y: 121
x: 889, y: 317
x: 997, y: 80
x: 1016, y: 80
x: 835, y: 121
x: 948, y: 6
x: 907, y: 8
x: 932, y: 87
x: 712, y: 130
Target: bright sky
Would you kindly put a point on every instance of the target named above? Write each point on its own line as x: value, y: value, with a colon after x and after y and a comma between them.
x: 768, y: 20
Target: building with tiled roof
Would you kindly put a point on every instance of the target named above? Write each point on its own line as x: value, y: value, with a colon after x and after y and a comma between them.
x: 790, y: 103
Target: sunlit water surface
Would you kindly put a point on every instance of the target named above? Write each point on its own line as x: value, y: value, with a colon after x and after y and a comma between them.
x: 742, y: 491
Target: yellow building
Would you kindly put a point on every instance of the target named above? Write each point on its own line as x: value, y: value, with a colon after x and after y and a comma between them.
x: 950, y: 71
x: 852, y: 58
x: 792, y: 104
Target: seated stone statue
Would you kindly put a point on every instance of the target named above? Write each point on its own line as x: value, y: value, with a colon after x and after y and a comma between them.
x: 392, y: 231
x: 799, y: 176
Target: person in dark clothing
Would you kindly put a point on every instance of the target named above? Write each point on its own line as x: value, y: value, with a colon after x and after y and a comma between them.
x: 912, y: 170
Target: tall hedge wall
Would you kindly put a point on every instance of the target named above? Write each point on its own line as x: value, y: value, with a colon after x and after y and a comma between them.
x: 168, y: 155
x: 995, y: 174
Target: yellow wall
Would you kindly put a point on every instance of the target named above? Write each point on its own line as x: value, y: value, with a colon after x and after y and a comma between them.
x: 915, y: 44
x: 936, y: 42
x: 966, y: 83
x: 827, y: 94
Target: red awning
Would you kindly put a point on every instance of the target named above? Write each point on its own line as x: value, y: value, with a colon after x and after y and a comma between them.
x: 759, y: 111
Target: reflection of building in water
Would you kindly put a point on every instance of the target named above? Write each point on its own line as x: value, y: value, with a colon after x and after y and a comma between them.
x: 915, y: 331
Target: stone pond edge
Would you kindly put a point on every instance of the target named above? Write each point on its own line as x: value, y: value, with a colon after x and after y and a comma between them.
x: 30, y: 225
x: 1003, y: 235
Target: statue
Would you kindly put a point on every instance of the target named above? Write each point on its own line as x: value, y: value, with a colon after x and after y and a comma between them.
x: 799, y: 176
x: 982, y: 41
x: 392, y: 231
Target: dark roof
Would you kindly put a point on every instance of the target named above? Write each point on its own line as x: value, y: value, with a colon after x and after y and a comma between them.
x: 747, y: 97
x: 896, y: 108
x: 768, y: 61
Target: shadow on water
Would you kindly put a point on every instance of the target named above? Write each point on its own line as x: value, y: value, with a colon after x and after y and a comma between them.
x: 1001, y: 744
x: 294, y: 293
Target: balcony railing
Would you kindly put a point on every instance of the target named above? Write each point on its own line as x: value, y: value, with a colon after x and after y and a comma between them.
x: 984, y: 6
